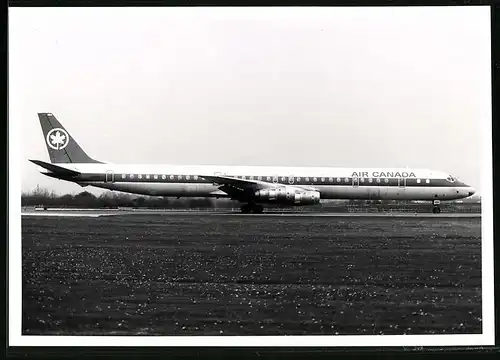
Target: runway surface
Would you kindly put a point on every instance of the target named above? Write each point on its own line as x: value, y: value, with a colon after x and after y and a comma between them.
x: 99, y: 212
x: 179, y: 274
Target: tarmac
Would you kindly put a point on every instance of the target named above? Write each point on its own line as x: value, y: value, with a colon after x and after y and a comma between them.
x: 100, y: 212
x: 226, y: 273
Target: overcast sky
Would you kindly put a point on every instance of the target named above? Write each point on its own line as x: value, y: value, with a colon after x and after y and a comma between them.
x: 354, y: 87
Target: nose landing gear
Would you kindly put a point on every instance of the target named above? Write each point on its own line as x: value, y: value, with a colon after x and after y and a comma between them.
x: 435, y: 207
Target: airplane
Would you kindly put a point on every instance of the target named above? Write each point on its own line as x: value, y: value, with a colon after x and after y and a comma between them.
x: 254, y: 186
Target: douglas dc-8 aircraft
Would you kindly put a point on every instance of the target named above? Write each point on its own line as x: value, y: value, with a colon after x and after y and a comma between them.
x: 251, y: 185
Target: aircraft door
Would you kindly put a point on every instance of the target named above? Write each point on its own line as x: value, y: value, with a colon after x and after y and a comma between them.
x: 355, y: 181
x: 110, y: 177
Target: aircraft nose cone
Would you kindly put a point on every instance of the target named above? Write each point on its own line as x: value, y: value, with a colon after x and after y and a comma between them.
x: 472, y: 191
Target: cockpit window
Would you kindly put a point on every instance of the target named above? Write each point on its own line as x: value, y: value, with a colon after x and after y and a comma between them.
x: 450, y: 178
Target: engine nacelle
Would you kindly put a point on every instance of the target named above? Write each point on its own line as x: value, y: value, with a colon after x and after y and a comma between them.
x: 288, y: 195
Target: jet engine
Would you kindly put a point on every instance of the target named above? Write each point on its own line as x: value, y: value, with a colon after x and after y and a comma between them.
x: 289, y: 195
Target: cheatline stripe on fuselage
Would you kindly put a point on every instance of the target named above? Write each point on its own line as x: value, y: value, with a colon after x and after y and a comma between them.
x: 281, y: 180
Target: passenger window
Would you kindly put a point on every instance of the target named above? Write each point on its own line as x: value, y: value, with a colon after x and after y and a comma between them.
x: 418, y: 181
x: 330, y: 180
x: 338, y: 180
x: 124, y: 176
x: 307, y: 179
x: 386, y: 181
x: 156, y: 177
x: 140, y: 176
x: 195, y: 177
x: 147, y: 177
x: 315, y: 179
x: 131, y: 176
x: 163, y: 177
x: 362, y: 180
x: 259, y: 178
x: 322, y: 179
x: 179, y: 177
x: 427, y: 181
x: 346, y: 180
x: 298, y: 179
x: 370, y: 180
x: 187, y: 177
x: 378, y: 180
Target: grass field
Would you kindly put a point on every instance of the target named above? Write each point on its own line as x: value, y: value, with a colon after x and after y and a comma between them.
x: 161, y: 274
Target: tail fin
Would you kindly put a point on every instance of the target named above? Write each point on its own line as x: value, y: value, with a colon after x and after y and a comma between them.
x: 61, y: 146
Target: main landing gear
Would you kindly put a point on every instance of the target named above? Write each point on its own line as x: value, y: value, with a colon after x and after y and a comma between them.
x: 435, y: 207
x: 252, y: 208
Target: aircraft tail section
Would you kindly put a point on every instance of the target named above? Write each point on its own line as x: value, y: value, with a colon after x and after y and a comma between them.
x: 60, y: 144
x: 59, y: 170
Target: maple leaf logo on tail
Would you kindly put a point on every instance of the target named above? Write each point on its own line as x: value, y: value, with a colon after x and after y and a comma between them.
x: 57, y: 139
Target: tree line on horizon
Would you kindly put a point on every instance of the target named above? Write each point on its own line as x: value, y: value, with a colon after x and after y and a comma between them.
x: 109, y: 199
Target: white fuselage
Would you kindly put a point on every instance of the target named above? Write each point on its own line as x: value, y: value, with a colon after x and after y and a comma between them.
x: 331, y: 183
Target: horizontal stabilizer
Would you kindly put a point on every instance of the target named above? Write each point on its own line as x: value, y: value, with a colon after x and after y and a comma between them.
x: 55, y: 169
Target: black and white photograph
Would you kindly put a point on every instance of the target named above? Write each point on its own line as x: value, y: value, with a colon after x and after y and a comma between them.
x: 283, y: 176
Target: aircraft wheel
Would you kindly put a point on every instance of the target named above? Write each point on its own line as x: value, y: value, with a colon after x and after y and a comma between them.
x: 258, y: 209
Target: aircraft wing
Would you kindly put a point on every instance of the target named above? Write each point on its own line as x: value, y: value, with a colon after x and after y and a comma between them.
x: 236, y: 182
x: 237, y: 188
